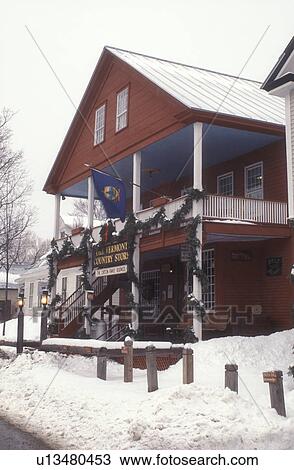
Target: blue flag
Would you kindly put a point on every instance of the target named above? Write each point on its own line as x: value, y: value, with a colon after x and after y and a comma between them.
x: 112, y: 193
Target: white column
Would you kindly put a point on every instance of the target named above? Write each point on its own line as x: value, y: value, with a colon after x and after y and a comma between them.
x: 56, y: 233
x: 197, y: 209
x: 90, y: 202
x: 136, y: 208
x: 289, y: 152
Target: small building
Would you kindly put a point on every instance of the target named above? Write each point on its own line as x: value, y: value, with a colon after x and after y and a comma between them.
x: 8, y: 302
x: 170, y: 131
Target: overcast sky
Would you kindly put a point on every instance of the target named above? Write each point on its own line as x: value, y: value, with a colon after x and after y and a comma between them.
x: 214, y: 34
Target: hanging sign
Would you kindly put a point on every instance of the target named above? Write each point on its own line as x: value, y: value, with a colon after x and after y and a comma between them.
x: 111, y: 259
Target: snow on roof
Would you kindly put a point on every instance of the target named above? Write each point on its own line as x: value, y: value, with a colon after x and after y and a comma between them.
x: 207, y: 90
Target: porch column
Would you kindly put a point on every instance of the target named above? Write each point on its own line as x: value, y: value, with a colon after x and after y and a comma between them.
x: 136, y: 208
x: 56, y: 229
x: 289, y: 99
x: 90, y: 202
x: 197, y: 209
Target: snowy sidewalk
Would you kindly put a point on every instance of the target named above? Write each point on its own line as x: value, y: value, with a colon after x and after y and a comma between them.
x: 61, y: 399
x: 12, y: 438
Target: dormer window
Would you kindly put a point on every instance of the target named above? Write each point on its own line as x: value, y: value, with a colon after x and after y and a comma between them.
x: 122, y: 101
x: 100, y: 125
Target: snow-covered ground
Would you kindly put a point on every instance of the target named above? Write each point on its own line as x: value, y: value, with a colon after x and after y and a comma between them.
x: 31, y: 329
x: 60, y: 399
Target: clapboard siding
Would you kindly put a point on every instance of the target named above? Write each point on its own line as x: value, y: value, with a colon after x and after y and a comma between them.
x: 152, y: 115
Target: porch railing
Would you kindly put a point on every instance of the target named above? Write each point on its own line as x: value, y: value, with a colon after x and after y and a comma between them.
x: 245, y: 209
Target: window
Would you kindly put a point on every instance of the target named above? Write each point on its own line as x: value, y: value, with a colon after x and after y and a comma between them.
x: 64, y: 289
x: 122, y: 99
x: 100, y: 125
x: 31, y: 295
x: 209, y: 269
x: 225, y: 184
x: 254, y: 181
x: 78, y: 281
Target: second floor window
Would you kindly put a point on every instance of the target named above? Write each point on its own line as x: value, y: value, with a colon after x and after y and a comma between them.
x: 225, y: 184
x: 254, y: 181
x: 99, y: 125
x: 122, y: 101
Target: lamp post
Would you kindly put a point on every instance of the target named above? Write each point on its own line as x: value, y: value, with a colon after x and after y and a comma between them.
x: 20, y: 323
x: 44, y: 315
x: 89, y: 296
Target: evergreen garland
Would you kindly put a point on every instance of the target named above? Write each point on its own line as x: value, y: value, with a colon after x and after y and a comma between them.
x: 68, y: 249
x: 129, y: 233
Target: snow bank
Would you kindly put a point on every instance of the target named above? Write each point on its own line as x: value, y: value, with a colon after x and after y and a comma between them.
x: 32, y: 327
x: 60, y: 398
x: 94, y: 343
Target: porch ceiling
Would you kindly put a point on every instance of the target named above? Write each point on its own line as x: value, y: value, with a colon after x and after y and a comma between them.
x: 174, y: 153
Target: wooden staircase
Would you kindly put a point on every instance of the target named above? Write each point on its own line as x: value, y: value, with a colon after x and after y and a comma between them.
x: 70, y: 311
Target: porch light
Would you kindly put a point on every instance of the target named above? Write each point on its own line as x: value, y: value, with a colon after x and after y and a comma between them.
x: 44, y: 298
x: 90, y: 295
x: 20, y: 301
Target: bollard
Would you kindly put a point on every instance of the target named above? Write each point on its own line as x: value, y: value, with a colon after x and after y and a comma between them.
x: 152, y: 379
x: 127, y: 351
x: 231, y: 377
x: 275, y: 381
x: 101, y: 363
x: 188, y: 365
x: 20, y: 324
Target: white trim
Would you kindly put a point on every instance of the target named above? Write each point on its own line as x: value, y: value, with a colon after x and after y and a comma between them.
x: 125, y: 109
x: 249, y: 167
x: 56, y: 216
x: 101, y: 109
x: 289, y: 155
x: 225, y: 175
x: 197, y: 209
x: 90, y: 202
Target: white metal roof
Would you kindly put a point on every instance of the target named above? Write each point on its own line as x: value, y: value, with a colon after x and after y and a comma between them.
x: 207, y: 90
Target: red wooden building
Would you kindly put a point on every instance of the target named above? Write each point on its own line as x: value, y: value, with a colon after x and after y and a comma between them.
x: 163, y: 128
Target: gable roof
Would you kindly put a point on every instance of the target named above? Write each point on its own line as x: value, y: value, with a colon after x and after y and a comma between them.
x: 206, y: 90
x: 199, y: 90
x: 276, y: 78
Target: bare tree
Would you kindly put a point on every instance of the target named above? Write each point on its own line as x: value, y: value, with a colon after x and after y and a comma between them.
x: 16, y: 213
x: 33, y: 248
x: 80, y: 210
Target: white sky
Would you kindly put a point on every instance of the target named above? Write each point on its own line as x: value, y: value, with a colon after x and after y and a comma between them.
x: 213, y: 34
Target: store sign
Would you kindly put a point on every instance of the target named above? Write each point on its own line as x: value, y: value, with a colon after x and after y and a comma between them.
x: 241, y: 255
x: 111, y: 259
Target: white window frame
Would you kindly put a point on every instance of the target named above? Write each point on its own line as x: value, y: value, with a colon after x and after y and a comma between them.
x: 121, y: 121
x: 31, y: 294
x: 99, y: 132
x: 250, y: 194
x: 225, y: 175
x: 209, y: 297
x: 64, y: 291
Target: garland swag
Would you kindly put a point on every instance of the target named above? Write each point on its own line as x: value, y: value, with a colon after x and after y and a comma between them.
x: 130, y: 231
x: 68, y: 249
x: 159, y: 219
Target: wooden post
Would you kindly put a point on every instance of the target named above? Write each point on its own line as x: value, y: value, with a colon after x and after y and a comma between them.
x: 20, y: 324
x: 101, y: 363
x: 43, y: 332
x: 128, y: 360
x: 275, y: 381
x: 188, y: 366
x: 152, y: 379
x: 231, y: 377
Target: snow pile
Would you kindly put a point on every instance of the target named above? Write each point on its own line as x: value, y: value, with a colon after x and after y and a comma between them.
x: 32, y: 326
x: 60, y: 398
x: 94, y: 343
